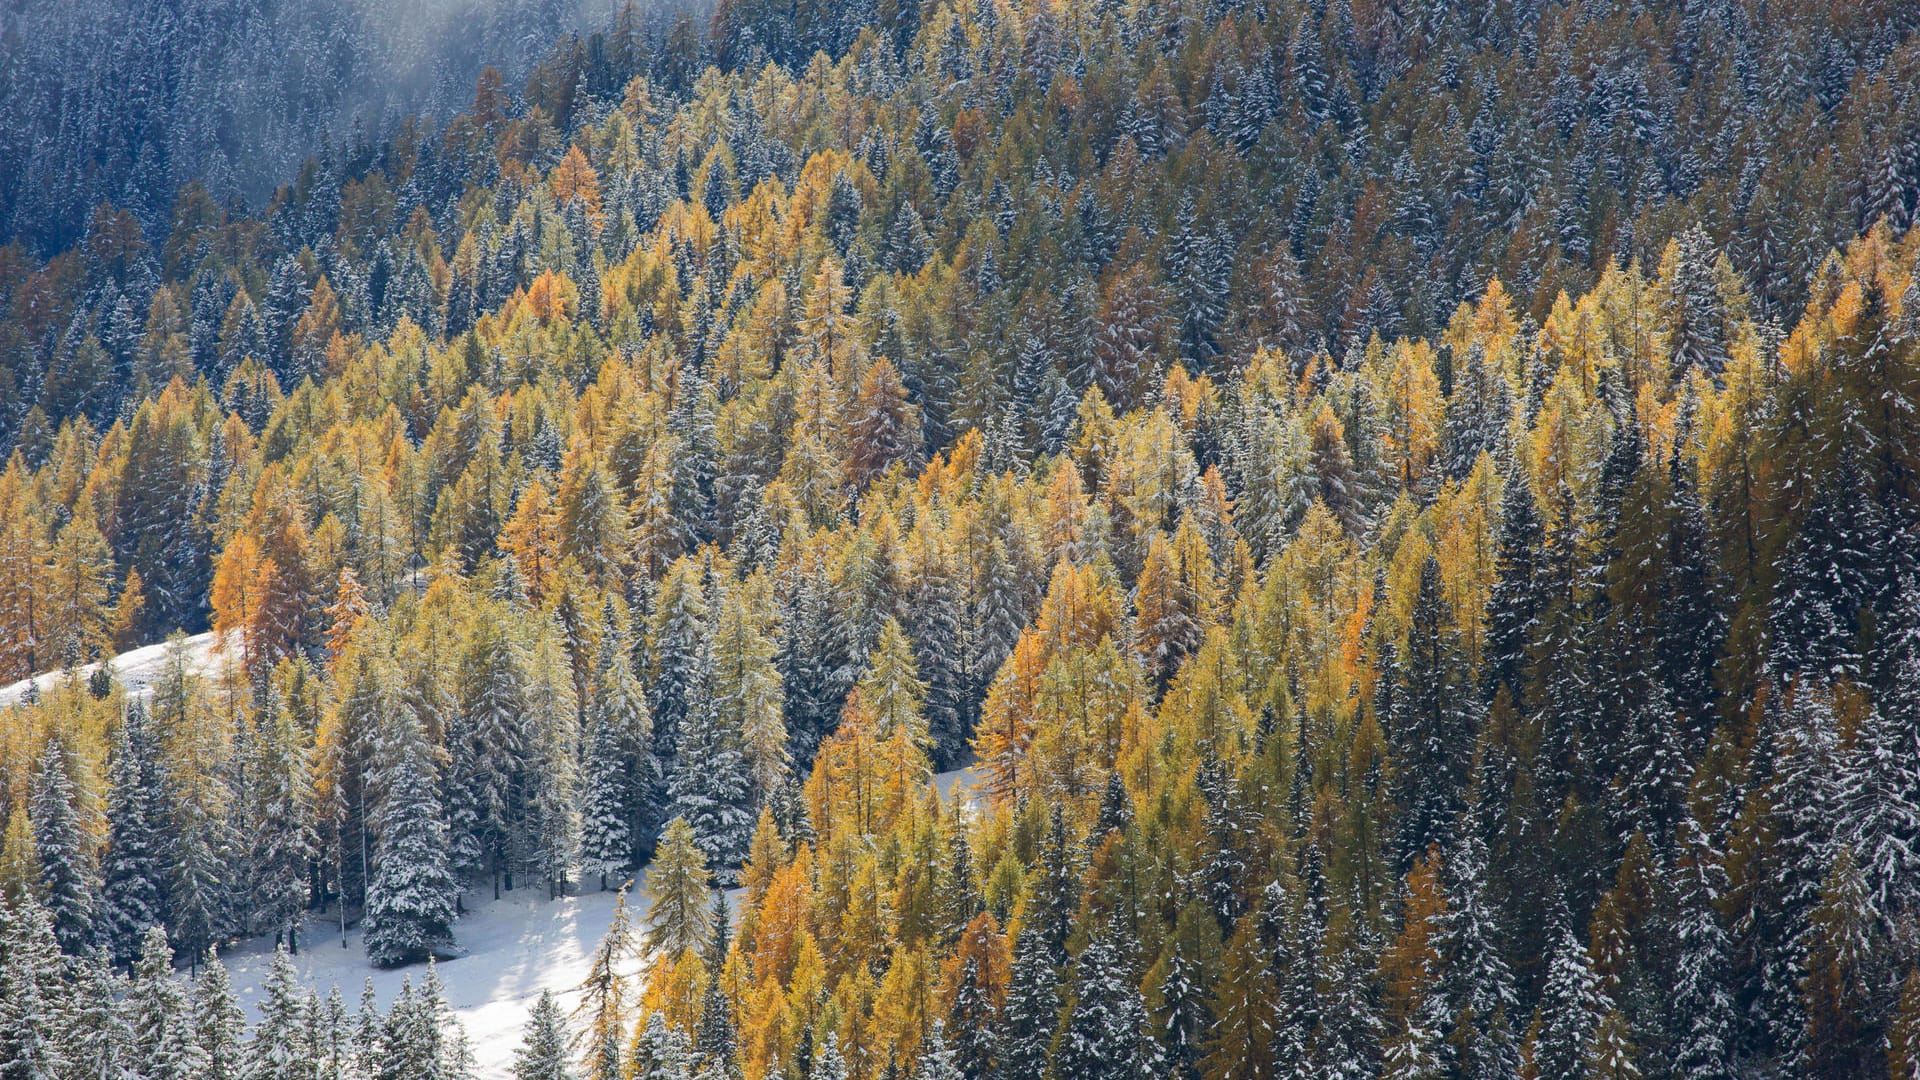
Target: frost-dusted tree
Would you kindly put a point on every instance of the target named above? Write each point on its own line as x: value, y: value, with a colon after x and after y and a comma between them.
x: 1708, y: 1015
x: 1477, y: 982
x: 679, y: 915
x: 1880, y: 785
x: 663, y: 1053
x: 411, y: 1042
x: 742, y: 688
x: 275, y: 1052
x: 1827, y: 576
x: 715, y: 1038
x: 1032, y: 1011
x: 133, y: 869
x: 1514, y: 603
x: 281, y: 840
x: 1572, y: 1004
x: 163, y: 1044
x: 548, y: 834
x: 542, y: 1054
x: 218, y: 1024
x: 1107, y: 1034
x: 1433, y: 723
x: 828, y: 1062
x: 676, y: 642
x: 711, y: 785
x: 489, y: 769
x: 196, y: 742
x: 96, y: 1027
x: 614, y: 766
x: 603, y: 998
x: 32, y: 994
x: 68, y: 883
x: 411, y: 895
x: 938, y: 1060
x: 973, y: 1021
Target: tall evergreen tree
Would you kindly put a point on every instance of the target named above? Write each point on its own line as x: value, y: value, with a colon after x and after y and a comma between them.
x: 1032, y: 1010
x: 1106, y: 1033
x: 163, y: 1046
x: 275, y: 1052
x: 133, y: 871
x: 218, y: 1024
x: 67, y: 875
x: 1433, y: 723
x: 410, y: 898
x: 32, y: 994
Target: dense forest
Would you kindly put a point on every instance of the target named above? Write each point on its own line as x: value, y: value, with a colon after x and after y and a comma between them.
x: 1408, y: 512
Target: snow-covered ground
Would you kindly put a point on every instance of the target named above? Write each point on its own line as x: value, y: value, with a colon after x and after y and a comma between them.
x: 136, y: 670
x: 514, y: 948
x: 960, y: 783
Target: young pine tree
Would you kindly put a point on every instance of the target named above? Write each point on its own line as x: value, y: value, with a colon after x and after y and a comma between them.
x: 542, y: 1054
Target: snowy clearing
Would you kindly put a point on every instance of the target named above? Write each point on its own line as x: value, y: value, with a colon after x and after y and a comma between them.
x: 136, y: 669
x: 514, y: 948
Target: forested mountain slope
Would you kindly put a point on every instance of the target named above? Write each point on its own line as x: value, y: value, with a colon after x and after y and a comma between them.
x: 1412, y: 508
x: 127, y: 100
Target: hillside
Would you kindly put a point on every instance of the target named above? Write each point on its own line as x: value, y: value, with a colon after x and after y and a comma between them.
x: 1405, y: 513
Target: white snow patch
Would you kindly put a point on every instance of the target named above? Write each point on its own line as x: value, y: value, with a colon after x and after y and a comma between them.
x: 961, y: 784
x: 513, y: 949
x: 136, y: 669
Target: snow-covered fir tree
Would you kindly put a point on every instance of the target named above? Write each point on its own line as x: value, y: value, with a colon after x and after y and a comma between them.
x: 68, y: 884
x: 412, y: 892
x: 542, y: 1054
x: 133, y: 869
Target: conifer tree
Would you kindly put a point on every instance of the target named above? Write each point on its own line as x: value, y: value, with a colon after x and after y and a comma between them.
x: 97, y: 1034
x: 67, y: 876
x: 937, y: 1060
x: 489, y: 773
x: 1240, y: 1045
x: 1572, y: 1004
x: 218, y: 1024
x: 603, y: 997
x: 275, y: 1052
x: 614, y: 759
x: 32, y: 994
x: 974, y: 1022
x: 1433, y: 723
x: 547, y: 835
x: 1706, y: 1009
x: 1106, y: 1033
x: 716, y: 1039
x: 410, y: 898
x: 1880, y: 784
x: 711, y: 787
x: 542, y: 1054
x: 679, y: 917
x: 1032, y: 1010
x: 133, y: 871
x: 281, y: 843
x: 163, y: 1046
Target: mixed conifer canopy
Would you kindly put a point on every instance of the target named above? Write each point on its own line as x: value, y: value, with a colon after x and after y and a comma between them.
x: 1408, y: 513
